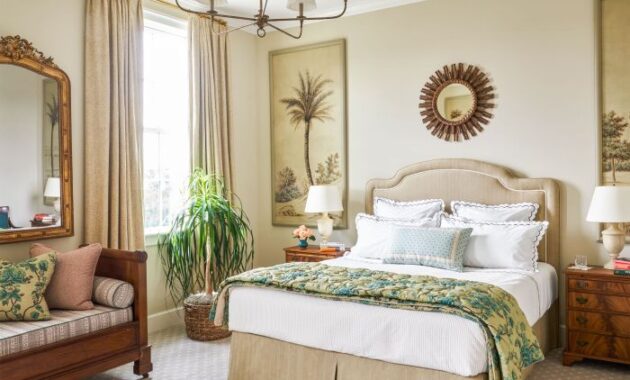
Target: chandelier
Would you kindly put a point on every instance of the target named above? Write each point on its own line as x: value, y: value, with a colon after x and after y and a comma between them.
x: 262, y: 20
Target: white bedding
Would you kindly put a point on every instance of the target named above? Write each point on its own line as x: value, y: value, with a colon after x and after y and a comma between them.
x: 423, y: 339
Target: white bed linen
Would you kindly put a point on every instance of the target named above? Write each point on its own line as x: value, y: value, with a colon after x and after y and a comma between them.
x: 422, y: 339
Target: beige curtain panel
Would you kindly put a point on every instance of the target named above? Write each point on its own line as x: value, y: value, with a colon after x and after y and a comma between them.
x: 113, y: 124
x: 209, y: 108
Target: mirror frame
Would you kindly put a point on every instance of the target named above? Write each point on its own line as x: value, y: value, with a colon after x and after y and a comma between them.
x: 14, y: 50
x: 483, y: 94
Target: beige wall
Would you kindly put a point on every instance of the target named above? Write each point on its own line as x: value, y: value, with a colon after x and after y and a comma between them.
x: 542, y: 58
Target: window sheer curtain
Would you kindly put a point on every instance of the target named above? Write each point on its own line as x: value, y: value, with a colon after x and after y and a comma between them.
x: 209, y: 105
x: 113, y: 209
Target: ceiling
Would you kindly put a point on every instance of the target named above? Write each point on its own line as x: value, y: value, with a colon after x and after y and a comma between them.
x: 277, y: 8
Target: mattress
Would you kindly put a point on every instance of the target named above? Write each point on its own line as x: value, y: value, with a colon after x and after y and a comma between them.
x: 423, y: 339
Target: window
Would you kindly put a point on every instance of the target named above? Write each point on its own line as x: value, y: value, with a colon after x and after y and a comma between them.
x: 166, y: 146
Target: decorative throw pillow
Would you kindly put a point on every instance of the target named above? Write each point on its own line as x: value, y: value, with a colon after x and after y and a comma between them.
x: 22, y: 288
x: 512, y: 245
x: 410, y: 211
x: 434, y: 247
x: 71, y: 285
x: 111, y: 292
x: 508, y: 212
x: 374, y: 234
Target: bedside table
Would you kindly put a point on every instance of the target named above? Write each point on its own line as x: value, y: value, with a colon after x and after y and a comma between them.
x: 308, y: 254
x: 598, y: 316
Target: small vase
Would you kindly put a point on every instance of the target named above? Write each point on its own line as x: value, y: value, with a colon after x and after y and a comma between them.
x: 303, y: 243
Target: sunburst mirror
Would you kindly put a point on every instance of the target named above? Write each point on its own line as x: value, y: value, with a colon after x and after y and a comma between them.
x: 456, y: 102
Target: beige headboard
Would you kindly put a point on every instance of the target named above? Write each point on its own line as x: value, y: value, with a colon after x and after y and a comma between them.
x: 475, y: 181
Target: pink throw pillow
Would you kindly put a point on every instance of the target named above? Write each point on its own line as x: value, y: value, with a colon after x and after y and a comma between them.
x: 71, y: 285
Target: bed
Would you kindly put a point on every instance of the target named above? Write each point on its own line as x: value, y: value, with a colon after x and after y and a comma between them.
x: 279, y: 335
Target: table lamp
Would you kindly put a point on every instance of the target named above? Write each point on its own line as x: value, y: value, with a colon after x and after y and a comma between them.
x: 323, y: 199
x: 53, y: 190
x: 611, y: 205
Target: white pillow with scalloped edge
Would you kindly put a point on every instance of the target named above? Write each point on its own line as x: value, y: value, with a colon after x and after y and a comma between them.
x: 507, y: 212
x: 373, y: 240
x: 511, y: 245
x: 407, y: 210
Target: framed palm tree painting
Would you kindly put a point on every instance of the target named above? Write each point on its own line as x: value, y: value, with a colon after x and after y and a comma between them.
x: 308, y: 128
x: 615, y: 91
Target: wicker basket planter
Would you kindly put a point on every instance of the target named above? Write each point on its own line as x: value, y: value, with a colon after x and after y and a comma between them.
x: 196, y: 316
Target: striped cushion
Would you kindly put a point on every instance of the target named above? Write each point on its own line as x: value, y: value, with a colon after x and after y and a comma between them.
x: 112, y: 292
x: 64, y: 324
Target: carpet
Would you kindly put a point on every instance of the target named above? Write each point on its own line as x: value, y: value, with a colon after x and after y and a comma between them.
x: 177, y: 357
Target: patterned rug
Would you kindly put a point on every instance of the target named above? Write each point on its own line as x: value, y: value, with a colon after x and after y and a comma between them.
x: 177, y: 357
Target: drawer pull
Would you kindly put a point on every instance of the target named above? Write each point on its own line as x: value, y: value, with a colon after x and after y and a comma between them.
x: 582, y: 343
x: 581, y: 300
x: 581, y: 319
x: 582, y: 284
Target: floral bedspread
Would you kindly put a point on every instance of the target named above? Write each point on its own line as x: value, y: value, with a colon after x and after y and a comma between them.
x: 512, y: 345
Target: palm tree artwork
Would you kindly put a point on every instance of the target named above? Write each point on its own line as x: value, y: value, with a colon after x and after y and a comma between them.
x: 52, y: 111
x: 308, y: 104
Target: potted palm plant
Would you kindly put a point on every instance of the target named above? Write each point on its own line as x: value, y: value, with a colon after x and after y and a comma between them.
x: 209, y: 240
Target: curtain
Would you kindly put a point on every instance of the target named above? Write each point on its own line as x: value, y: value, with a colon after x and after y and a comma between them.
x: 113, y: 210
x: 209, y: 108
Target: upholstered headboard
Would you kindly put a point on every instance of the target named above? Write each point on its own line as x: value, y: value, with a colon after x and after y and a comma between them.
x: 475, y: 181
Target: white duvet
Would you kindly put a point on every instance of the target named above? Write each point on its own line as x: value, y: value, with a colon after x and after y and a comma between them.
x: 422, y: 339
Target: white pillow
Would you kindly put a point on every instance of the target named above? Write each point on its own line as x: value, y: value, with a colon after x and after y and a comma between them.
x: 413, y: 210
x: 500, y: 244
x: 374, y: 233
x: 508, y: 212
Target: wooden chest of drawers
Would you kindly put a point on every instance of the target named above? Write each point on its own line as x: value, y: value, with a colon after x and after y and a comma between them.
x: 308, y: 254
x: 598, y: 316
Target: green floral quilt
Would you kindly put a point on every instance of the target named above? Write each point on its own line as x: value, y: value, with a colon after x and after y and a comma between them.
x: 512, y: 345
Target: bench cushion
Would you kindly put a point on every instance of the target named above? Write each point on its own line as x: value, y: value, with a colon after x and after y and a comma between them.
x: 64, y: 324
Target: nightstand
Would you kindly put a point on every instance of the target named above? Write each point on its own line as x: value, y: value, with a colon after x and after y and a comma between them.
x: 598, y: 316
x: 308, y: 254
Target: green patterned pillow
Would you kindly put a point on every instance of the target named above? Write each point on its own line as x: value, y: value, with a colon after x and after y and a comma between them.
x: 22, y: 288
x: 434, y: 247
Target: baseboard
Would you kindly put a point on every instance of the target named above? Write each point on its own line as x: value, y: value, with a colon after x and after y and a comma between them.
x: 165, y: 319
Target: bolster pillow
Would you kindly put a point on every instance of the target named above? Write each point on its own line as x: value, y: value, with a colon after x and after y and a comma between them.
x: 111, y: 292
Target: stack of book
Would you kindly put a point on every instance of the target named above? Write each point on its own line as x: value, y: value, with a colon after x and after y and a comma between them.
x: 622, y: 266
x: 44, y: 220
x: 332, y: 247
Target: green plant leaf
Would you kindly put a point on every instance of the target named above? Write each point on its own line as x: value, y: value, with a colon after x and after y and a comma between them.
x: 211, y: 230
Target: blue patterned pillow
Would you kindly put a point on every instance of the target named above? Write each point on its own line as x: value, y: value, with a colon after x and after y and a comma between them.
x: 434, y: 247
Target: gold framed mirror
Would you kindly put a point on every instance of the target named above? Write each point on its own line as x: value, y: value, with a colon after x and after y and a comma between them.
x: 456, y: 102
x: 35, y: 143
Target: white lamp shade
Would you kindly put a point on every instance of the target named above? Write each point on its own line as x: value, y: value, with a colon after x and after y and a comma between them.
x: 294, y: 5
x: 323, y: 198
x: 53, y: 188
x: 610, y: 204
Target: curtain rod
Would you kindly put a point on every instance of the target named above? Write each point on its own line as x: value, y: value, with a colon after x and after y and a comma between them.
x: 171, y: 5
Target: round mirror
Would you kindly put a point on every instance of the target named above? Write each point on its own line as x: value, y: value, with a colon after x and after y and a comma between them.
x: 455, y: 102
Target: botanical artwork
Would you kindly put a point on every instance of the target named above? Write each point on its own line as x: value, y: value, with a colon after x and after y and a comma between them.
x: 615, y: 134
x: 308, y: 125
x: 50, y: 145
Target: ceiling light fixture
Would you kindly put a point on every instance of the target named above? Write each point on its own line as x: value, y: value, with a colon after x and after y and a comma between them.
x: 262, y: 20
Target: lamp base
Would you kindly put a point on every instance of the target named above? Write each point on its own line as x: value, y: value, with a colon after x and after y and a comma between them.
x: 325, y: 227
x: 614, y: 239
